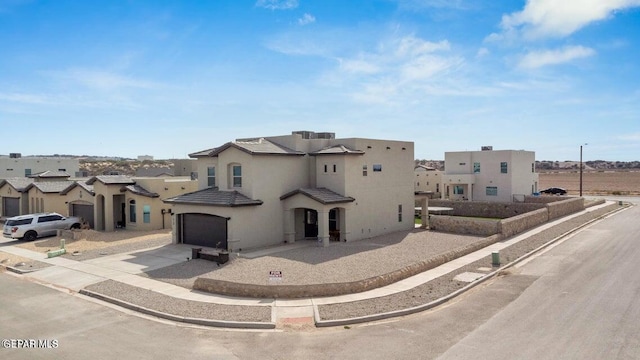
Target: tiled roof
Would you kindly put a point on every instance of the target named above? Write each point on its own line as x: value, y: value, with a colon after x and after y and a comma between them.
x: 20, y: 184
x: 321, y: 195
x: 214, y: 197
x: 50, y: 186
x: 258, y: 146
x: 82, y: 184
x: 50, y: 174
x: 112, y: 180
x: 336, y: 150
x: 139, y: 190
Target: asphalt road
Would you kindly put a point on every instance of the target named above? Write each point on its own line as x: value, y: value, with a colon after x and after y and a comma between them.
x: 585, y: 304
x: 578, y: 300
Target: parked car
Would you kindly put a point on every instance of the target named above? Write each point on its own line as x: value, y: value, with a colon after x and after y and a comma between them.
x: 32, y: 226
x: 554, y: 191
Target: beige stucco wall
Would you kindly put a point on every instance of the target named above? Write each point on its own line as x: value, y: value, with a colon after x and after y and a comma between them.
x: 427, y: 180
x: 10, y: 167
x: 47, y: 202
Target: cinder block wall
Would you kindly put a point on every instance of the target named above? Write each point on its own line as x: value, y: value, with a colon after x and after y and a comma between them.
x: 565, y: 207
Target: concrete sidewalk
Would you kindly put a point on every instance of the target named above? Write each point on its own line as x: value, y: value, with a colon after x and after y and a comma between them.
x: 126, y: 268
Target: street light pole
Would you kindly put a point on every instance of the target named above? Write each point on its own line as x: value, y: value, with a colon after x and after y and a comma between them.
x: 581, y: 170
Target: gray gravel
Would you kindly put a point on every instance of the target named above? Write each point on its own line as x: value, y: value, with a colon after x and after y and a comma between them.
x: 180, y: 307
x: 340, y: 262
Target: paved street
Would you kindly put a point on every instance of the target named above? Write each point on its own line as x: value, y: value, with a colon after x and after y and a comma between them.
x: 578, y: 300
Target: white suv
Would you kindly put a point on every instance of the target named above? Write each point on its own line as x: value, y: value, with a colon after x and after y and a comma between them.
x: 32, y: 226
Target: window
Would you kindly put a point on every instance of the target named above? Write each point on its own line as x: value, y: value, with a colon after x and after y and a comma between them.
x: 63, y: 170
x: 437, y: 187
x: 533, y: 167
x: 377, y: 167
x: 364, y: 170
x: 325, y: 167
x: 503, y: 167
x: 334, y: 167
x: 333, y: 220
x: 400, y: 213
x: 27, y: 172
x: 237, y: 176
x: 146, y: 214
x: 49, y: 218
x: 211, y: 176
x: 462, y: 164
x: 132, y: 211
x: 458, y: 190
x: 476, y: 167
x: 492, y: 191
x: 12, y: 170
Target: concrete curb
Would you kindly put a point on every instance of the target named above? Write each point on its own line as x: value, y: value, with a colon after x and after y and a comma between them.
x: 177, y: 318
x: 444, y: 299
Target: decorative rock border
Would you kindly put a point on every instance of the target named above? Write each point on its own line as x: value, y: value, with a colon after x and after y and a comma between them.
x: 334, y: 289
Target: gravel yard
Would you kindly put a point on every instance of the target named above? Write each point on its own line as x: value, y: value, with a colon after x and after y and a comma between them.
x: 95, y: 244
x: 340, y: 262
x: 181, y: 307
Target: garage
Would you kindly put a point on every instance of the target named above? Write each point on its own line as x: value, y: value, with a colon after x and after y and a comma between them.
x: 83, y: 211
x: 10, y: 206
x: 204, y: 230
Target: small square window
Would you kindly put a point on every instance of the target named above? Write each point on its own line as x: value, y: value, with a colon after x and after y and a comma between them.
x: 492, y: 191
x: 377, y: 167
x: 335, y: 167
x: 364, y: 170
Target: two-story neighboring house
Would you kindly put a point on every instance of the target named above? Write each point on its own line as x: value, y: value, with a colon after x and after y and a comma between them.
x: 489, y: 175
x: 265, y: 191
x: 427, y: 180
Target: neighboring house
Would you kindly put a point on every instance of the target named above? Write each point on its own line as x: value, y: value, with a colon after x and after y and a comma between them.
x: 106, y: 202
x: 185, y: 167
x: 427, y: 180
x: 153, y: 172
x: 489, y: 175
x: 44, y: 196
x: 134, y: 203
x: 15, y: 165
x: 14, y: 199
x: 265, y: 191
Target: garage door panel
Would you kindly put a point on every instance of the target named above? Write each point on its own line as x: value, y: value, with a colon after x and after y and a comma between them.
x: 84, y: 211
x: 10, y: 206
x: 204, y: 230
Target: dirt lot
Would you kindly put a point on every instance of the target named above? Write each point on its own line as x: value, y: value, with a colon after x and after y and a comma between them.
x: 593, y: 183
x: 94, y: 240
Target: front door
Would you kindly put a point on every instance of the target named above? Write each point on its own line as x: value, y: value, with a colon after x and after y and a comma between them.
x: 310, y: 223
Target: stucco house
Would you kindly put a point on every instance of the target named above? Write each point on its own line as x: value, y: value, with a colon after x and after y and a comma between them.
x: 14, y: 199
x: 427, y: 180
x: 269, y: 190
x: 489, y: 175
x: 106, y: 202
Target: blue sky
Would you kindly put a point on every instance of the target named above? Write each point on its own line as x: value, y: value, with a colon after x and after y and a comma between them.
x: 166, y: 78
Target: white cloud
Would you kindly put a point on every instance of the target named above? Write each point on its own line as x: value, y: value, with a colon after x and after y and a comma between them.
x: 359, y: 66
x: 277, y: 4
x: 559, y: 18
x: 536, y: 59
x: 25, y: 98
x: 630, y: 137
x: 102, y: 80
x: 482, y: 52
x: 306, y: 19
